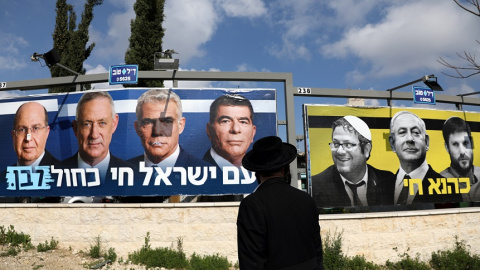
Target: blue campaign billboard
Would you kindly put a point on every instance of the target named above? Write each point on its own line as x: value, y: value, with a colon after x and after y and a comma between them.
x: 168, y: 150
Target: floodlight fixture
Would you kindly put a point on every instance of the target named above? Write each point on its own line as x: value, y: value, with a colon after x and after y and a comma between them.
x: 51, y: 58
x: 431, y: 82
x: 428, y: 80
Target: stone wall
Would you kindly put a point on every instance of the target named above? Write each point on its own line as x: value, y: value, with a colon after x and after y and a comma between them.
x: 209, y: 228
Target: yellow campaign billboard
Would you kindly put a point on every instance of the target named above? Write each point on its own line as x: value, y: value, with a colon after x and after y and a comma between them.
x: 331, y: 164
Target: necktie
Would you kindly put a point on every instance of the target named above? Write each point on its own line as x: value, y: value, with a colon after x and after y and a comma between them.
x: 402, y: 199
x: 353, y: 187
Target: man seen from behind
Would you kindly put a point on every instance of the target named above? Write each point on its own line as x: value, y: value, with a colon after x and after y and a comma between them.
x: 277, y: 225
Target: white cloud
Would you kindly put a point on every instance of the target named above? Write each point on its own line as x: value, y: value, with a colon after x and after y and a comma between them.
x: 114, y: 42
x: 410, y: 37
x: 10, y: 45
x: 243, y: 8
x: 348, y: 13
x: 189, y: 24
x: 11, y: 62
x: 298, y: 22
x: 290, y: 49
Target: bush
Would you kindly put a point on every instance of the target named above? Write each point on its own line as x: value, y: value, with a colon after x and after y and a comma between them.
x: 334, y: 259
x: 47, y: 246
x: 407, y: 263
x: 208, y: 262
x: 14, y: 239
x: 96, y: 251
x: 458, y: 258
x: 159, y: 257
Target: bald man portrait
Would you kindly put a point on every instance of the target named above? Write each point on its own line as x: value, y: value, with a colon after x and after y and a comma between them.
x: 29, y: 135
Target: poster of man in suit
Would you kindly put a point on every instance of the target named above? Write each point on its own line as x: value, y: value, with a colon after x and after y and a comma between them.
x: 416, y: 140
x: 99, y: 133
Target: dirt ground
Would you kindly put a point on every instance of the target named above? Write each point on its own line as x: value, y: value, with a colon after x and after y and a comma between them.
x: 56, y: 259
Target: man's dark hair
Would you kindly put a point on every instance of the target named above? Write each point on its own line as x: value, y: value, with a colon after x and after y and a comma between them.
x: 455, y: 125
x: 229, y: 100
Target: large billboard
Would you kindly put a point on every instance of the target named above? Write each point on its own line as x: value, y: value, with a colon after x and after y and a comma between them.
x: 362, y: 156
x: 97, y: 153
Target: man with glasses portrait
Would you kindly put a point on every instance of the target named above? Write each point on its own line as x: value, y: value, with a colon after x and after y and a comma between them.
x: 350, y: 181
x: 30, y: 134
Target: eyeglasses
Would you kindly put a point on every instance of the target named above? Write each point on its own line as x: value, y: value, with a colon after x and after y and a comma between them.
x: 346, y: 146
x: 24, y: 130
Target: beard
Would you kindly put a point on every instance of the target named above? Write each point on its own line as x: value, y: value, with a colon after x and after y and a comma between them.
x: 462, y: 170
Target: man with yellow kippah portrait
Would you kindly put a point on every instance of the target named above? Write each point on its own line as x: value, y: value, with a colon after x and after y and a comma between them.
x: 350, y: 181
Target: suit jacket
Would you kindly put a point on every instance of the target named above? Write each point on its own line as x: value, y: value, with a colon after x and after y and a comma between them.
x: 277, y: 228
x: 218, y: 198
x: 47, y: 160
x: 208, y: 158
x: 427, y: 198
x: 328, y: 187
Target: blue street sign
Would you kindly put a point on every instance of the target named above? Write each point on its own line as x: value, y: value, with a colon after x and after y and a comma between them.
x: 423, y: 95
x: 123, y: 74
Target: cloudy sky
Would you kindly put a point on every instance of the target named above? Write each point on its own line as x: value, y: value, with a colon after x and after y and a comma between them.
x: 356, y: 44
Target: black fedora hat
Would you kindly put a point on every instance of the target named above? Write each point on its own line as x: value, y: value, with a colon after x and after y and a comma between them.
x: 269, y: 154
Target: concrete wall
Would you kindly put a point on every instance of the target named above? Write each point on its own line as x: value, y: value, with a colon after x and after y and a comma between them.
x: 209, y: 228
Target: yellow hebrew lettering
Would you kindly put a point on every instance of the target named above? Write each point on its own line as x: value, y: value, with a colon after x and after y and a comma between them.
x: 417, y: 182
x: 467, y: 184
x: 455, y: 183
x: 445, y: 189
x: 434, y: 185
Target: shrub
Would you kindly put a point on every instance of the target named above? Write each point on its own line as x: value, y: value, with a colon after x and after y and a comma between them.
x: 14, y: 239
x: 96, y: 251
x: 47, y: 246
x: 458, y: 258
x: 159, y: 257
x: 208, y: 262
x: 334, y: 259
x: 407, y: 262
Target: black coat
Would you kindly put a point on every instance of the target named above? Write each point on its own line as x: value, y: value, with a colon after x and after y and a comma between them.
x: 277, y: 228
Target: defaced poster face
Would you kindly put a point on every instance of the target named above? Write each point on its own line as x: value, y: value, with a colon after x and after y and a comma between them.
x: 361, y: 156
x: 133, y: 142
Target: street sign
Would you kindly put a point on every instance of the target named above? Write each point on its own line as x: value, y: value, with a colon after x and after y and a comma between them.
x: 123, y: 74
x: 423, y: 95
